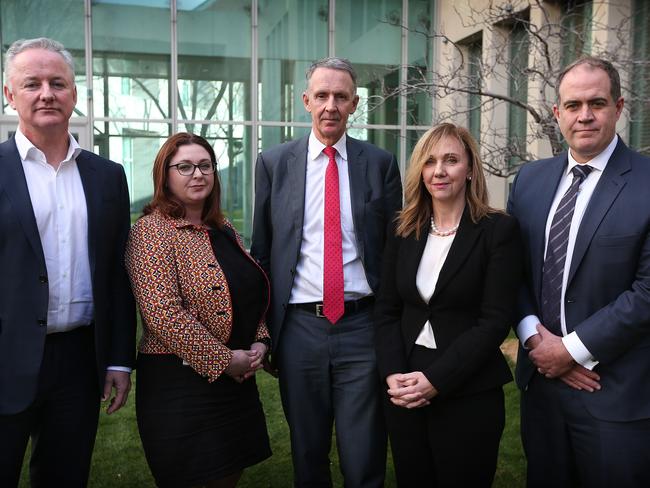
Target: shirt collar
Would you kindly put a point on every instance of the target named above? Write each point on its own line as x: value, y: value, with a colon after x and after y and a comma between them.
x: 600, y: 161
x: 316, y: 147
x: 27, y: 149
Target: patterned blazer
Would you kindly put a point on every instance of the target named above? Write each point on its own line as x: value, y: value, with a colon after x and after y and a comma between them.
x: 182, y: 292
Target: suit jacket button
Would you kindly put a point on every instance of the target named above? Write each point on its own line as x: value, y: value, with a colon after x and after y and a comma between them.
x: 42, y: 279
x: 42, y: 322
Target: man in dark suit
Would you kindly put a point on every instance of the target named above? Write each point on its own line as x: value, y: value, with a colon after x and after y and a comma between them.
x: 584, y: 363
x: 67, y: 318
x: 322, y: 204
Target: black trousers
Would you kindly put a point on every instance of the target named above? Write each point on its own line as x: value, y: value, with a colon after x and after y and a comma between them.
x: 62, y: 421
x: 453, y: 442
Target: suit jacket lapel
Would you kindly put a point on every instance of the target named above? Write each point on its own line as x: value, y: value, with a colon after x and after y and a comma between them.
x: 93, y: 193
x: 609, y: 186
x: 357, y: 163
x: 546, y: 185
x: 466, y: 236
x: 15, y: 187
x: 297, y: 170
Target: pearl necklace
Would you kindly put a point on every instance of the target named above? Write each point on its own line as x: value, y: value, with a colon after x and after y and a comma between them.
x: 442, y: 233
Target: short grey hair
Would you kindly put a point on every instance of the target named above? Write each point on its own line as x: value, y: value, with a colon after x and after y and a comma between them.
x: 341, y: 64
x: 22, y: 45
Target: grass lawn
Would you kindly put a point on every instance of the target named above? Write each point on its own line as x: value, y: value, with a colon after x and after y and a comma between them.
x: 118, y: 460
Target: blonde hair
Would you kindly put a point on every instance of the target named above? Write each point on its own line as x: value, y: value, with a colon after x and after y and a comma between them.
x: 417, y: 209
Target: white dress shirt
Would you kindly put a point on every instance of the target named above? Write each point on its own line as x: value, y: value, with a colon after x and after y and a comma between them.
x: 59, y: 204
x: 308, y: 282
x: 527, y: 326
x: 433, y: 258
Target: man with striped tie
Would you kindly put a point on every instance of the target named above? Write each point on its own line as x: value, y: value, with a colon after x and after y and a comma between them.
x: 584, y: 358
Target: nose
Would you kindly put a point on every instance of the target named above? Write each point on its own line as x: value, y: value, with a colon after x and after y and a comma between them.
x: 585, y: 114
x: 46, y: 92
x: 439, y: 169
x: 330, y: 105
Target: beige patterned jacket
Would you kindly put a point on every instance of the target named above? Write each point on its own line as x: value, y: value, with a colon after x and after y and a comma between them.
x: 182, y: 292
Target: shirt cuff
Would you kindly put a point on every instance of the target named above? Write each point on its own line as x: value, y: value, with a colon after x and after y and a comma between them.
x: 578, y: 351
x: 527, y: 328
x: 124, y: 369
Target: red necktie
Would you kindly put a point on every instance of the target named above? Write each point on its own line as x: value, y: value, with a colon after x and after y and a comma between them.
x: 333, y: 305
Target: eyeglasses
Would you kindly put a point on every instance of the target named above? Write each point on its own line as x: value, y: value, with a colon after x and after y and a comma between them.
x: 185, y: 168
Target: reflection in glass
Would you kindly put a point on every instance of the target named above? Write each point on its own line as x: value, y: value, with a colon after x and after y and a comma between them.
x: 420, y: 62
x: 131, y: 61
x: 213, y: 71
x: 134, y: 145
x: 62, y: 21
x: 369, y: 35
x: 291, y: 36
x: 389, y: 140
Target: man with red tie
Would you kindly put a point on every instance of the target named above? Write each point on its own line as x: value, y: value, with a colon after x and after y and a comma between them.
x: 322, y: 205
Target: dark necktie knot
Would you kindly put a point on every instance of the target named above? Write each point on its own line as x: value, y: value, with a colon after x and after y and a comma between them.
x: 330, y: 152
x: 581, y: 171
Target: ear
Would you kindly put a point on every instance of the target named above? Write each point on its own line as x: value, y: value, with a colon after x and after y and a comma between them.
x: 305, y: 101
x: 9, y: 96
x: 74, y: 93
x: 556, y: 112
x: 619, y: 107
x: 355, y: 104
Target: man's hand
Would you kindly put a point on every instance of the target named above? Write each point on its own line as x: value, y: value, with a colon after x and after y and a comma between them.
x: 121, y: 381
x: 550, y: 356
x: 410, y: 390
x: 581, y: 378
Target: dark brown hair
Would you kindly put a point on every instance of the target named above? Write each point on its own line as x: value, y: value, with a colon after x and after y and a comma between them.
x: 163, y: 199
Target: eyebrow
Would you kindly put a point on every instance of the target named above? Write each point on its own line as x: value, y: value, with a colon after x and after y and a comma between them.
x: 591, y: 100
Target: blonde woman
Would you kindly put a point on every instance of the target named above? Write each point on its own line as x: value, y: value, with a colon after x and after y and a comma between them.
x: 450, y: 276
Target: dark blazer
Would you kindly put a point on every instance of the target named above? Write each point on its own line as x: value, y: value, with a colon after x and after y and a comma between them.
x: 608, y: 289
x: 280, y: 173
x: 471, y: 310
x: 23, y: 283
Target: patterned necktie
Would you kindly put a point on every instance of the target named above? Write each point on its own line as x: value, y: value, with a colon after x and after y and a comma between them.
x: 556, y: 250
x: 333, y: 305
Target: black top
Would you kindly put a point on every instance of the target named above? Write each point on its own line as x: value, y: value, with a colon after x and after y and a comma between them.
x: 248, y: 291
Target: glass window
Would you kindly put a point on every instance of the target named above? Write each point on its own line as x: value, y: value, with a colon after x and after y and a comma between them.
x: 131, y: 60
x: 62, y: 21
x: 577, y: 24
x: 518, y: 89
x: 232, y: 147
x: 420, y: 61
x: 134, y: 145
x: 640, y: 93
x: 368, y: 33
x: 291, y: 35
x: 389, y: 140
x: 474, y: 54
x: 213, y: 71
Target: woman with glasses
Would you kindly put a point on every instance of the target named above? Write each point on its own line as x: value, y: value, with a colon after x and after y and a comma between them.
x: 203, y: 301
x: 449, y: 282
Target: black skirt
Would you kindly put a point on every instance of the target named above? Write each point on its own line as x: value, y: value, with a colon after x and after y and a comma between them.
x: 194, y: 431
